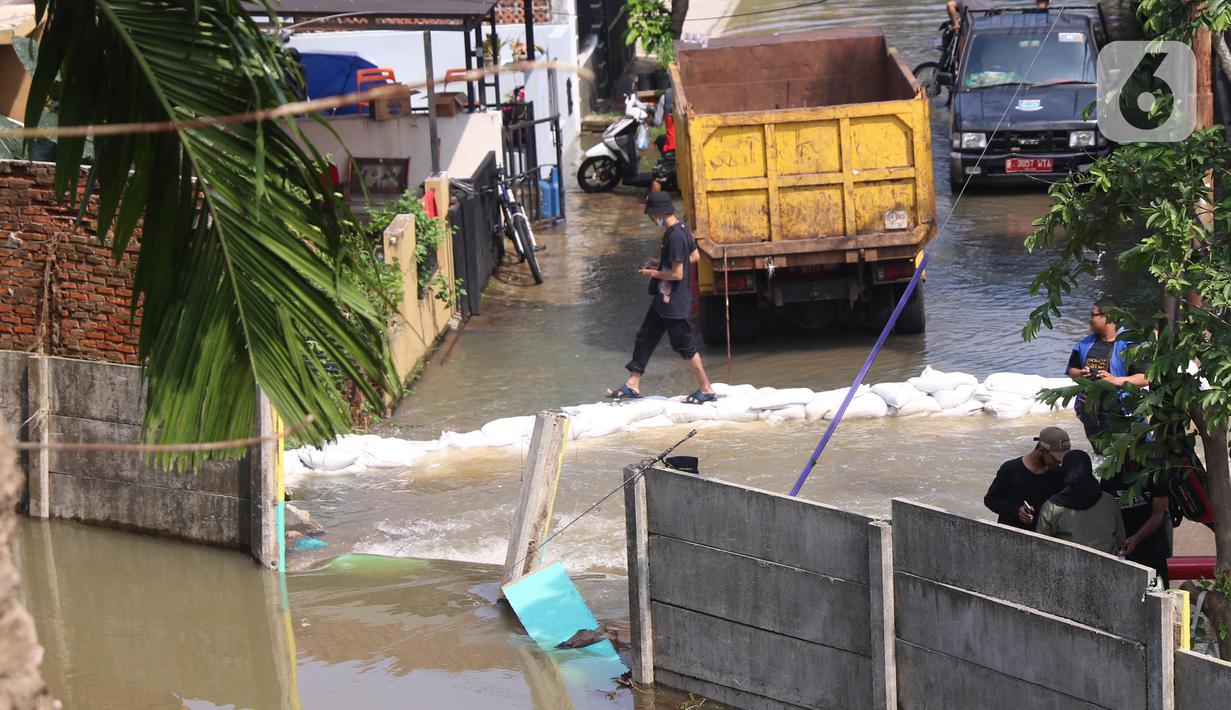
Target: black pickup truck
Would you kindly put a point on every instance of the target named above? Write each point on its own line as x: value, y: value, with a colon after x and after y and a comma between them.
x: 1024, y: 81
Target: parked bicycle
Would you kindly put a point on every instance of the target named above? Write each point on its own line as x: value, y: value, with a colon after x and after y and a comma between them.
x: 514, y: 223
x: 934, y: 76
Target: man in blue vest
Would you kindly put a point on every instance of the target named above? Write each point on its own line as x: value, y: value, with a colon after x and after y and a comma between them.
x: 1100, y: 356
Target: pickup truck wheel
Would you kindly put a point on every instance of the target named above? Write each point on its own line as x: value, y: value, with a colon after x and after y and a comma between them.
x: 745, y: 319
x: 598, y: 174
x: 912, y: 321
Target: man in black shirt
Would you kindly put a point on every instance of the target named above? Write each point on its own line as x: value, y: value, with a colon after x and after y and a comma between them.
x: 1146, y: 522
x: 1100, y: 356
x: 670, y: 278
x: 1023, y: 484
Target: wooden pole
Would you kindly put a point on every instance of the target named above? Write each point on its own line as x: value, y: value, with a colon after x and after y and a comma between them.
x: 539, y: 481
x: 433, y: 134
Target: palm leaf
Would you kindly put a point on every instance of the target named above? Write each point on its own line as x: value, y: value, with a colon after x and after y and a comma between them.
x: 241, y: 248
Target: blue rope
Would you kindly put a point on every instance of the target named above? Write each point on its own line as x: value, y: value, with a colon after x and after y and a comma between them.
x: 867, y: 364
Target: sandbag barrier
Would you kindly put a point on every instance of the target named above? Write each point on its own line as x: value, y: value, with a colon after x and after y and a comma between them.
x: 1005, y: 395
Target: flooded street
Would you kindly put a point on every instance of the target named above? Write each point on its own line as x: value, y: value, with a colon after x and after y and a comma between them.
x: 135, y: 622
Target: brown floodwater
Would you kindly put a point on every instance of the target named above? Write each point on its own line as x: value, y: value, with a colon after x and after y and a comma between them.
x: 399, y: 610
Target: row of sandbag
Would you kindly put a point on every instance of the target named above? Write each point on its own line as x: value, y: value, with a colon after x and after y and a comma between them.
x: 1004, y: 395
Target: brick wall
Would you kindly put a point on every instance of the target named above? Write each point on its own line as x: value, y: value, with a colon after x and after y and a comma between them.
x: 60, y: 289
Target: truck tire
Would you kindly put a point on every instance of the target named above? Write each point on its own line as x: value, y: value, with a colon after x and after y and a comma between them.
x: 912, y: 320
x: 745, y: 319
x: 881, y: 300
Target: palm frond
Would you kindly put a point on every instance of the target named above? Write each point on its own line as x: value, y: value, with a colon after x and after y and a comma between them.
x: 240, y: 242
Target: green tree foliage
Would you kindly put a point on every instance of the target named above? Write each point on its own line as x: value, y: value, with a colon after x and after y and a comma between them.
x: 650, y: 22
x: 243, y: 250
x: 1149, y: 208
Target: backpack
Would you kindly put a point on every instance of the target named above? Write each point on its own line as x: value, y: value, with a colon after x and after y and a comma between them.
x: 1186, y: 483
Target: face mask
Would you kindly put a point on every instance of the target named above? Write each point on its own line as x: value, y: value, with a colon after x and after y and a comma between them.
x: 660, y: 221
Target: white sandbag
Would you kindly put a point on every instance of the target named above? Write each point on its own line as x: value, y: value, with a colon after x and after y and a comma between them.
x: 785, y: 414
x: 1055, y: 383
x: 1008, y: 406
x: 725, y: 390
x: 330, y: 458
x: 1038, y: 407
x: 982, y: 394
x: 863, y: 406
x: 508, y: 431
x: 737, y: 409
x: 656, y: 422
x: 932, y: 381
x: 948, y: 399
x: 777, y: 399
x: 923, y: 405
x: 824, y: 404
x: 638, y: 409
x: 683, y: 413
x: 599, y: 420
x: 396, y: 453
x: 897, y: 394
x: 1015, y: 383
x: 966, y: 409
x: 467, y: 440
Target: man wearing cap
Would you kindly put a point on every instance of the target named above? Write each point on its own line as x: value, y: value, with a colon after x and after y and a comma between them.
x: 1146, y: 519
x: 1023, y: 484
x: 671, y: 286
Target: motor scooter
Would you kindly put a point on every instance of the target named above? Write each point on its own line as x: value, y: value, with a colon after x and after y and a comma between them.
x: 616, y: 158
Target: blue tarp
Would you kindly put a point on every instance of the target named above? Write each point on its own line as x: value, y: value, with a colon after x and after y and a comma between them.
x: 331, y: 74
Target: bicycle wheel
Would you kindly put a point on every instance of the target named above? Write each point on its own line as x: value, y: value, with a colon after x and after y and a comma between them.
x: 928, y: 76
x: 510, y: 231
x: 525, y: 241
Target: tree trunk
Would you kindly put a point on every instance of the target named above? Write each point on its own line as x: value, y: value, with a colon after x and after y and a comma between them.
x: 679, y: 11
x: 1218, y: 470
x: 21, y: 683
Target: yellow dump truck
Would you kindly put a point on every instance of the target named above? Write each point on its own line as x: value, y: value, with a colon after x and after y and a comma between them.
x: 805, y: 165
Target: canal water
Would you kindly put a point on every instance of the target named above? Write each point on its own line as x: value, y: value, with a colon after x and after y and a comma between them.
x: 407, y: 615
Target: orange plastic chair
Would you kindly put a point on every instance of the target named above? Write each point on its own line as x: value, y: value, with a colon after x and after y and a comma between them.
x: 376, y: 75
x: 458, y: 75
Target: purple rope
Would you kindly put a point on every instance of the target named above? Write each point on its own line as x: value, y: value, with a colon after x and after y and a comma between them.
x: 897, y: 311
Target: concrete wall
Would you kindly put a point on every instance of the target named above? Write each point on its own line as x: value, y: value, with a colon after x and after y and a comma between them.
x: 1201, y: 682
x: 422, y: 320
x: 465, y: 140
x: 758, y: 600
x: 63, y: 400
x: 755, y: 599
x: 985, y: 612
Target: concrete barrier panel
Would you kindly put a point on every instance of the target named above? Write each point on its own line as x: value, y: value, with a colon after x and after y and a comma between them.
x: 222, y: 477
x: 1201, y: 682
x: 1071, y: 659
x: 96, y: 390
x: 934, y: 681
x: 1067, y: 580
x: 13, y: 389
x: 775, y: 666
x: 186, y: 515
x: 793, y: 532
x: 785, y: 600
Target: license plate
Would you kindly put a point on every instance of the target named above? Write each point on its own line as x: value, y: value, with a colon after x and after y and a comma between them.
x: 1027, y: 165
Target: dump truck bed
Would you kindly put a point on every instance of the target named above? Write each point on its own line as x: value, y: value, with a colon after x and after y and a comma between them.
x: 810, y: 147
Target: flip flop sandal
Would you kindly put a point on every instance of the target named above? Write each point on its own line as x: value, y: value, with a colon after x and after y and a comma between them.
x: 623, y: 392
x: 700, y: 397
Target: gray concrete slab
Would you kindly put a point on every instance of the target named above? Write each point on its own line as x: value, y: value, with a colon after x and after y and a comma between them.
x: 785, y: 600
x: 1043, y: 573
x: 721, y: 694
x: 1201, y: 682
x: 798, y: 533
x: 1074, y: 660
x: 97, y: 390
x: 13, y: 389
x: 186, y: 515
x: 222, y: 477
x: 934, y: 681
x: 759, y: 662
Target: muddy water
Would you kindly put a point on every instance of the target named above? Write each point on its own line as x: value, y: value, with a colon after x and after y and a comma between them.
x: 131, y: 622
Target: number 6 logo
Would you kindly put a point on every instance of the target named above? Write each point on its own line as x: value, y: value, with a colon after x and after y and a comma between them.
x: 1147, y: 92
